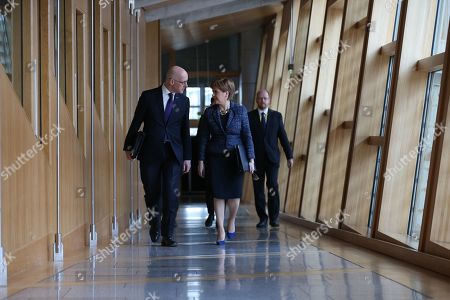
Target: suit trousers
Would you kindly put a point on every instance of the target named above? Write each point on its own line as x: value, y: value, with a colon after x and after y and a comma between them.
x: 161, y: 182
x: 263, y: 169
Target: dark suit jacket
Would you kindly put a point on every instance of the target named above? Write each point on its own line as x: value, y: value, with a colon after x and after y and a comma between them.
x: 214, y: 139
x: 266, y: 143
x: 150, y: 110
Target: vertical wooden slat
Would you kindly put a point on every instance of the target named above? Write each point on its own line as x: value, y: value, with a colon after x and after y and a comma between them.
x: 293, y: 85
x: 320, y: 119
x: 303, y: 127
x: 342, y: 110
x: 368, y: 116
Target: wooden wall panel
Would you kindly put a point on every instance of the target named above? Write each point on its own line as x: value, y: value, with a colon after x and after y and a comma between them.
x: 322, y: 103
x: 303, y: 127
x: 30, y: 53
x: 280, y: 66
x: 24, y: 189
x: 290, y: 51
x: 29, y: 214
x: 153, y: 61
x: 293, y: 85
x: 342, y: 110
x: 269, y: 29
x: 274, y: 51
x: 368, y: 120
x: 405, y: 112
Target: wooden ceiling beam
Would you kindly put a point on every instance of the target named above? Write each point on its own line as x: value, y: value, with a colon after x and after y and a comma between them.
x: 183, y: 8
x: 216, y: 11
x: 147, y: 3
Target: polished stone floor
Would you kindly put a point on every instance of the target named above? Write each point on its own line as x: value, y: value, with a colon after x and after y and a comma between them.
x: 255, y: 265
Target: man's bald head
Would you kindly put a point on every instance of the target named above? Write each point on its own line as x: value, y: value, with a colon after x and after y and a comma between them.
x: 262, y: 99
x: 176, y: 79
x: 262, y: 93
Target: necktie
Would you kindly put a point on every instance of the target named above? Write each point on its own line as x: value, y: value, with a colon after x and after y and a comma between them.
x: 169, y: 107
x: 263, y: 120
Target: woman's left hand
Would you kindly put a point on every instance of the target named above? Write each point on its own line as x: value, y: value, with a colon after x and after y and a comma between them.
x: 251, y: 166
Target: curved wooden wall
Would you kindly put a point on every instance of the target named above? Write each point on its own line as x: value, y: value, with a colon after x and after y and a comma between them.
x: 359, y: 112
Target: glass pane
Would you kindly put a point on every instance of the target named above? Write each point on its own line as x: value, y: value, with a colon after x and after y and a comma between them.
x: 441, y: 31
x: 194, y: 113
x: 379, y: 154
x: 194, y: 95
x: 208, y: 96
x: 397, y: 16
x: 62, y: 45
x: 11, y: 44
x: 402, y: 206
x: 423, y: 163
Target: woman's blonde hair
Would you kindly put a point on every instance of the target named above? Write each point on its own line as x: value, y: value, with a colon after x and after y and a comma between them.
x: 225, y: 85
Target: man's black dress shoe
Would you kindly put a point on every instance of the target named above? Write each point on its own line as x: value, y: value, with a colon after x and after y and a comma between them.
x: 209, y: 220
x: 262, y: 224
x: 168, y: 242
x: 154, y: 234
x: 275, y: 224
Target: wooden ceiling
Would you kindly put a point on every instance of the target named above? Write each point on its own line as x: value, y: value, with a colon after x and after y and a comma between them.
x: 206, y: 20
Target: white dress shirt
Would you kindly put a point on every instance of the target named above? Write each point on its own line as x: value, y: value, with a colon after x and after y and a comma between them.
x: 266, y: 111
x: 165, y: 94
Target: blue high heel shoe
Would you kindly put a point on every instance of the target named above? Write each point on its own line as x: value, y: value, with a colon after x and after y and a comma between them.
x: 220, y: 243
x: 231, y: 235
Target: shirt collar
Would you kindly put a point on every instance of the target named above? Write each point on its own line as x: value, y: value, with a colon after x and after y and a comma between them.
x: 165, y: 91
x: 266, y: 110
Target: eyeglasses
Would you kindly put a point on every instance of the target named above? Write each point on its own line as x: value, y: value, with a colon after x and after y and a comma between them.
x: 182, y: 82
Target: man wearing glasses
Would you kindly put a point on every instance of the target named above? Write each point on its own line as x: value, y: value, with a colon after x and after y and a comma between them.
x: 166, y: 151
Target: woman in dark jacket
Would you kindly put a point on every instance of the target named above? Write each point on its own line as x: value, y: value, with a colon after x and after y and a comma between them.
x: 225, y: 125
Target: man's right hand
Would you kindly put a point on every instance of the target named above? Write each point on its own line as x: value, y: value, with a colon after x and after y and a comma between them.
x: 201, y: 169
x: 129, y: 155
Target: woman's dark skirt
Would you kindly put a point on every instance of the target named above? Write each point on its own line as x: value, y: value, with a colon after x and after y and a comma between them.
x: 226, y: 180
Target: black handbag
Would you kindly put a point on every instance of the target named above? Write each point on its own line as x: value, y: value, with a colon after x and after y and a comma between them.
x: 138, y: 142
x: 241, y: 159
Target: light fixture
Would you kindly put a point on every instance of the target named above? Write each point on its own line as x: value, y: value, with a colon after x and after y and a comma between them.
x: 213, y: 27
x: 180, y: 23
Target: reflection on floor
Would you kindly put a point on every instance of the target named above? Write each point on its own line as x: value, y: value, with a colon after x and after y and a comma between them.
x: 255, y: 265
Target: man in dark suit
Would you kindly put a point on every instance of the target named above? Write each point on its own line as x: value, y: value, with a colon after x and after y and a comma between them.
x: 166, y: 151
x: 267, y: 128
x: 208, y: 193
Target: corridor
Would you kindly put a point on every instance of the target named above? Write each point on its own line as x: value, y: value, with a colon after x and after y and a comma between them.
x: 253, y: 266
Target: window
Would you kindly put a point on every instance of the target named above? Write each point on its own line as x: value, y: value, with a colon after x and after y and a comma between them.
x: 428, y: 126
x: 441, y: 31
x: 106, y: 81
x: 11, y: 44
x: 208, y: 96
x: 79, y: 74
x: 194, y: 95
x: 62, y: 45
x: 200, y: 97
x: 408, y: 155
x: 423, y: 160
x: 382, y: 132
